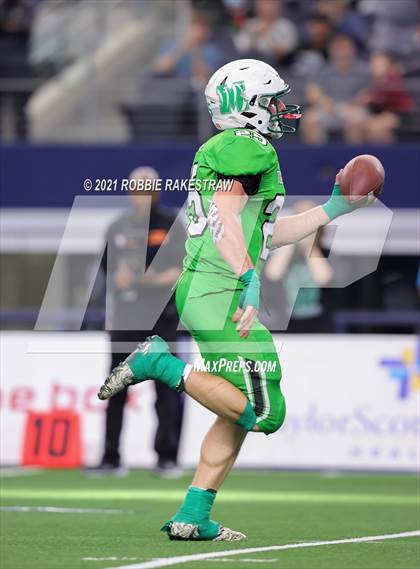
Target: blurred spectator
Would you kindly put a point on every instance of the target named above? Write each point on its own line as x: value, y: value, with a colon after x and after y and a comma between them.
x: 387, y: 99
x: 345, y: 20
x: 236, y: 10
x: 134, y: 295
x: 418, y: 283
x: 197, y: 57
x: 336, y: 96
x: 15, y: 24
x: 313, y: 52
x: 317, y: 34
x: 191, y: 61
x: 302, y: 270
x: 395, y: 28
x: 269, y: 36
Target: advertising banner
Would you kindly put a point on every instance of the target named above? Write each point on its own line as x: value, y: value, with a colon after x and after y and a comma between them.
x: 353, y: 402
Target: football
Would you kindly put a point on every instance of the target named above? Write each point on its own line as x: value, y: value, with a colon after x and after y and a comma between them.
x: 363, y: 175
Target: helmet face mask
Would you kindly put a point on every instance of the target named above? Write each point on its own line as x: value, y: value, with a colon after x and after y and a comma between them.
x: 278, y: 111
x: 247, y: 93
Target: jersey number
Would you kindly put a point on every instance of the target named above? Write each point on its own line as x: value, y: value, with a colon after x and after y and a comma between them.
x: 195, y: 211
x: 251, y: 134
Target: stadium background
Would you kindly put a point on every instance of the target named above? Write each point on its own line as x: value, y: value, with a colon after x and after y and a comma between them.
x: 84, y: 94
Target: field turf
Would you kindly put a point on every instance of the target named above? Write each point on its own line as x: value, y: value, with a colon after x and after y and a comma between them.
x: 119, y: 519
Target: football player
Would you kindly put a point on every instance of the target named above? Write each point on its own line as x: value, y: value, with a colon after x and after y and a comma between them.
x: 233, y: 224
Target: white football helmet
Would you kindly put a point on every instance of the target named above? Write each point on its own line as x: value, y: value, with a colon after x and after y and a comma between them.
x: 246, y: 93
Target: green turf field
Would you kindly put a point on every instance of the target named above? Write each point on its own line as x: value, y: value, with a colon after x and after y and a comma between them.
x: 120, y: 519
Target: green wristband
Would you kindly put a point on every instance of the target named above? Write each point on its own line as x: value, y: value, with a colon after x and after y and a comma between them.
x: 250, y: 296
x: 337, y: 204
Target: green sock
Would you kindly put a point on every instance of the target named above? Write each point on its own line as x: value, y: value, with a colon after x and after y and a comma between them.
x: 248, y: 418
x: 159, y: 364
x: 196, y: 506
x: 196, y: 509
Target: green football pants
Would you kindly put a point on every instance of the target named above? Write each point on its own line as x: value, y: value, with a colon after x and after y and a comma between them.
x: 251, y: 364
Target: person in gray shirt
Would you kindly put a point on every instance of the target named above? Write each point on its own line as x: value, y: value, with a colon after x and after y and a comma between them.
x: 269, y: 36
x: 336, y: 96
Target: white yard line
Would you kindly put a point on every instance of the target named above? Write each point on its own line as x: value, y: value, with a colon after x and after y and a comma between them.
x: 9, y: 472
x: 253, y: 560
x: 168, y: 561
x: 54, y: 510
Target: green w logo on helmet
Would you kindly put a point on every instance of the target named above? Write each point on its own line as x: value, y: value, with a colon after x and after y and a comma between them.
x: 232, y: 98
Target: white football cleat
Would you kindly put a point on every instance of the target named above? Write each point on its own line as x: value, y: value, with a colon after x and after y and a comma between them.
x: 179, y: 530
x: 190, y: 532
x: 227, y: 534
x: 120, y: 377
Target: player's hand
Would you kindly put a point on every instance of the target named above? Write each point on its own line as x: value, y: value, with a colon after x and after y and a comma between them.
x: 338, y: 205
x: 249, y: 302
x: 245, y: 319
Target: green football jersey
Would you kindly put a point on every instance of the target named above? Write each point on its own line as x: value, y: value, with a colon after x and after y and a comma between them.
x: 233, y: 154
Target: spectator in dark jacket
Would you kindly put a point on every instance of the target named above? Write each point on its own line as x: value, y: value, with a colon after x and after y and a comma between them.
x: 313, y: 52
